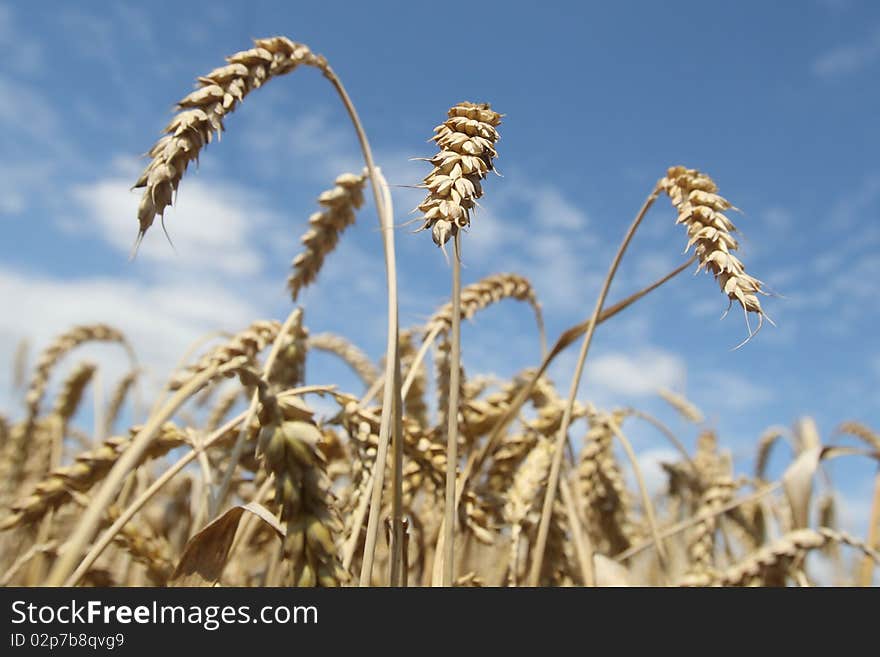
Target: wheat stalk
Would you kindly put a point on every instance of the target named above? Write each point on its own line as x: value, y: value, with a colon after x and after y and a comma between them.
x: 413, y: 395
x: 72, y: 389
x: 246, y: 344
x: 529, y: 479
x: 562, y: 436
x: 145, y: 548
x: 17, y: 447
x: 771, y: 563
x: 467, y: 150
x: 200, y: 117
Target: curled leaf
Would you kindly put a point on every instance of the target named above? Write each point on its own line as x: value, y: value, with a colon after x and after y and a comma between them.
x: 206, y: 553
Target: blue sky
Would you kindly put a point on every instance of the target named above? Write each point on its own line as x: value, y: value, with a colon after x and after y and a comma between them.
x: 776, y: 101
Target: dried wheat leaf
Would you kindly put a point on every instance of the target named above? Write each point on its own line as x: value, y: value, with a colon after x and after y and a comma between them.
x: 205, y: 554
x: 797, y: 481
x: 798, y: 484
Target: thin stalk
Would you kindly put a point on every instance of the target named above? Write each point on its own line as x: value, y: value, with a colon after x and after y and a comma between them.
x: 88, y: 524
x: 417, y: 361
x: 361, y: 512
x: 583, y: 547
x: 696, y: 520
x: 564, y: 340
x: 666, y: 431
x: 643, y: 490
x: 20, y: 562
x: 391, y: 411
x: 866, y: 571
x: 397, y: 539
x: 452, y: 420
x: 190, y: 350
x: 37, y: 567
x: 98, y: 407
x: 249, y: 523
x: 553, y: 481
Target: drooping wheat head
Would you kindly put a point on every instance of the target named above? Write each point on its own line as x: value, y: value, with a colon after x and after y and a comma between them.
x: 700, y: 208
x: 200, y: 117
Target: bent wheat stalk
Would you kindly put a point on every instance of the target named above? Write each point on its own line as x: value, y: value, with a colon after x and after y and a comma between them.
x: 201, y: 117
x: 552, y: 484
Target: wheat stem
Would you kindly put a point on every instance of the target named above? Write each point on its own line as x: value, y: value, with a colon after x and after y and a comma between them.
x: 582, y: 544
x: 666, y: 431
x: 697, y: 519
x: 550, y: 494
x: 452, y: 420
x: 567, y: 338
x: 391, y: 406
x: 866, y: 570
x: 643, y: 490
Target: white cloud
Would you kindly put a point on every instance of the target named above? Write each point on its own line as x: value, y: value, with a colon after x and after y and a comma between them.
x: 849, y: 58
x: 160, y: 319
x: 729, y: 391
x: 215, y: 227
x: 550, y: 209
x: 637, y: 374
x: 25, y: 111
x: 779, y: 219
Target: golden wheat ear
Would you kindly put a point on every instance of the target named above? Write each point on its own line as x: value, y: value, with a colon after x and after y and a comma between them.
x: 467, y: 152
x: 710, y: 232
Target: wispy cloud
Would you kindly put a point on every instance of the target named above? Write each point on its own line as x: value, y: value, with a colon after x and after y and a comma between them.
x: 160, y: 319
x: 317, y: 144
x: 639, y: 373
x: 848, y: 58
x: 730, y: 391
x: 217, y: 227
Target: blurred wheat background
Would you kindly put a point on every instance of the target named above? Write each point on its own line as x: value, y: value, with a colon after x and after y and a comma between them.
x: 776, y: 105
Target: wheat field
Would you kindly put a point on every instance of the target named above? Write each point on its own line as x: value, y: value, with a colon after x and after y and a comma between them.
x: 239, y: 475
